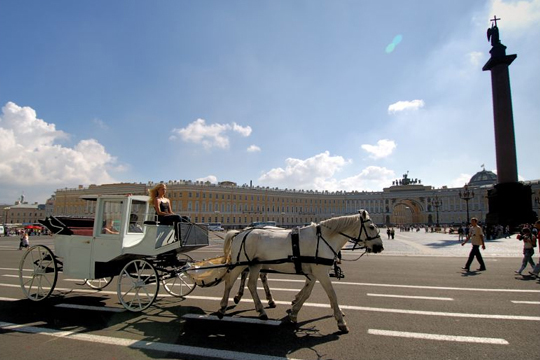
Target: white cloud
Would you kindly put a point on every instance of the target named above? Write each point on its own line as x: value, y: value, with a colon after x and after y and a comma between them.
x: 460, y: 181
x: 476, y: 58
x: 383, y: 148
x: 244, y: 131
x: 303, y: 174
x: 100, y: 124
x: 320, y: 173
x: 372, y: 178
x: 209, y: 136
x: 517, y: 15
x: 253, y: 148
x: 405, y: 106
x: 30, y: 154
x: 210, y: 178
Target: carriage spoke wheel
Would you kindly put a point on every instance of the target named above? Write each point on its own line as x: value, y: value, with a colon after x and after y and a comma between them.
x: 138, y: 285
x: 178, y: 283
x: 99, y: 284
x: 40, y: 262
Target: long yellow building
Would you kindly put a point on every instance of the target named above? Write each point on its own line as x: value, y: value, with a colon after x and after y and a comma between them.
x: 407, y: 201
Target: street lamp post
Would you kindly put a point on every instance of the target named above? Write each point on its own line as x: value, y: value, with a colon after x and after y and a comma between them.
x: 466, y: 195
x: 437, y: 203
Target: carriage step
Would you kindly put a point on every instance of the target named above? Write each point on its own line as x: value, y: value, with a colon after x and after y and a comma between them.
x: 231, y: 319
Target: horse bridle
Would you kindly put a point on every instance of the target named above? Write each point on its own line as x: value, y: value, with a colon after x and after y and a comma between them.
x: 357, y: 240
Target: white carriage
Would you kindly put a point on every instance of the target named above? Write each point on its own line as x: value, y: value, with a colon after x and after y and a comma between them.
x: 123, y: 239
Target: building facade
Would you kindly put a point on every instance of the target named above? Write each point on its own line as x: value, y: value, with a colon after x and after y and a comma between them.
x: 23, y: 214
x: 406, y: 202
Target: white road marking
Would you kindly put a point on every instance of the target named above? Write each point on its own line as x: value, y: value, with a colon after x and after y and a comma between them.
x: 8, y: 299
x: 141, y: 344
x: 416, y: 286
x: 88, y: 307
x: 348, y: 307
x: 454, y: 338
x: 411, y: 297
x: 233, y: 319
x: 348, y: 283
x: 526, y: 302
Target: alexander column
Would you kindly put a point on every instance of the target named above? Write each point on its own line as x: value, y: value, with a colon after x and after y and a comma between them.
x: 510, y: 201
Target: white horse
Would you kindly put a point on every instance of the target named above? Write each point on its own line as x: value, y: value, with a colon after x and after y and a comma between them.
x: 311, y: 255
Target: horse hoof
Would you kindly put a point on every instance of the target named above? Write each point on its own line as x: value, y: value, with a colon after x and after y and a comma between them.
x: 344, y: 329
x: 219, y: 314
x: 271, y: 304
x: 292, y: 319
x: 263, y: 317
x: 236, y: 299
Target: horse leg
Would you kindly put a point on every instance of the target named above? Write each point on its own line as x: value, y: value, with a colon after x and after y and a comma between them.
x: 240, y: 293
x: 252, y: 286
x: 300, y: 293
x: 264, y: 280
x: 301, y: 298
x: 230, y: 278
x: 324, y: 279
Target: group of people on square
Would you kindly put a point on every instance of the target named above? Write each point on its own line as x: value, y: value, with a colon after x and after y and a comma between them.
x: 528, y: 235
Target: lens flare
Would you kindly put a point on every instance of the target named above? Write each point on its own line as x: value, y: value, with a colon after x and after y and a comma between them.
x: 392, y: 46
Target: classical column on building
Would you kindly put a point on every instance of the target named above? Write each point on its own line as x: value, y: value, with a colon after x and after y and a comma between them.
x: 510, y: 200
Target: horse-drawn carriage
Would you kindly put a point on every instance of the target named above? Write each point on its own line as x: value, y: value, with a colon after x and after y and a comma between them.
x: 123, y: 240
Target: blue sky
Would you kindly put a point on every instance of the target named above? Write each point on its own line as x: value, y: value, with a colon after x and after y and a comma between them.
x: 325, y: 95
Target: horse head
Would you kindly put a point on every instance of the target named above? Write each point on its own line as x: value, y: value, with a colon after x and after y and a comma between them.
x: 369, y: 233
x: 359, y: 229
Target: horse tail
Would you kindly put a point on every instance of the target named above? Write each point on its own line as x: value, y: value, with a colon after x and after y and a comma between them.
x: 227, y: 245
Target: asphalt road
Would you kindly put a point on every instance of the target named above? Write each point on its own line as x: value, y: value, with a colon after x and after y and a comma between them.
x: 411, y: 302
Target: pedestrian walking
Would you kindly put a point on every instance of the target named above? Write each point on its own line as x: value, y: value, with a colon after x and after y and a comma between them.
x: 529, y: 243
x: 24, y: 243
x: 477, y: 239
x: 536, y: 269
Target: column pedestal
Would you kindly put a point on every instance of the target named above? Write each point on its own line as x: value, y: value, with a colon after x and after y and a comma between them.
x: 510, y: 204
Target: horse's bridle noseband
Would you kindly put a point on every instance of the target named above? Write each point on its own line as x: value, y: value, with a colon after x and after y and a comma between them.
x: 358, y: 239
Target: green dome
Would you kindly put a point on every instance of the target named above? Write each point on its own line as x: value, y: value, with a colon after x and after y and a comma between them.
x: 483, y: 178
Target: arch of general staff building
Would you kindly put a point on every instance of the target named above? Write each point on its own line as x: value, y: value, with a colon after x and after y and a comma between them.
x: 406, y: 202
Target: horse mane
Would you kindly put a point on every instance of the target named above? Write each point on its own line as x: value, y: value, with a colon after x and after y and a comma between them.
x: 342, y: 223
x: 227, y: 245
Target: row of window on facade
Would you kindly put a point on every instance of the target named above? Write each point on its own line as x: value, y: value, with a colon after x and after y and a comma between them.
x: 233, y: 208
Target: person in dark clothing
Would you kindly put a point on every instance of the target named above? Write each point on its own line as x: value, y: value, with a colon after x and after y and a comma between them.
x: 162, y: 205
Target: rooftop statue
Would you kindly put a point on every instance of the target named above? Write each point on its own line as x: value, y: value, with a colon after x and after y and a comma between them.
x: 493, y: 32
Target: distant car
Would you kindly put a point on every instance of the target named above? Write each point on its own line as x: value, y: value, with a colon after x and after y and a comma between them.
x: 215, y: 227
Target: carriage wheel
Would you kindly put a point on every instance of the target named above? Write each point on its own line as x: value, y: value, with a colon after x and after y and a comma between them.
x: 178, y: 284
x: 138, y: 285
x: 99, y: 284
x: 40, y: 261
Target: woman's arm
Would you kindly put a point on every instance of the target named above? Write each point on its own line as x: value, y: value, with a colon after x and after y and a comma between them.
x: 157, y: 207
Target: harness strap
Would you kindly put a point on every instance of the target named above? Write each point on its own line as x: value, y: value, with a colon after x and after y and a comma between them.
x: 295, y: 258
x: 320, y: 237
x: 243, y: 247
